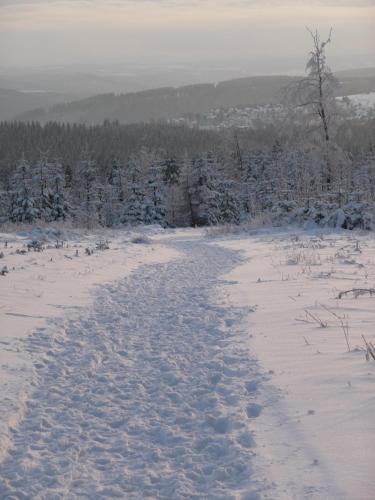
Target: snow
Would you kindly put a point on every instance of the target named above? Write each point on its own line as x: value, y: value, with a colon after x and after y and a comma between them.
x: 187, y: 367
x: 317, y: 425
x: 365, y: 100
x: 359, y: 105
x: 54, y: 283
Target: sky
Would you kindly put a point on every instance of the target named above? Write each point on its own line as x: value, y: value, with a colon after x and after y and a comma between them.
x: 267, y: 35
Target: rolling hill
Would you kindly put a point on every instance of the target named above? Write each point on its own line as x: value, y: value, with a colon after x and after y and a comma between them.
x: 171, y: 102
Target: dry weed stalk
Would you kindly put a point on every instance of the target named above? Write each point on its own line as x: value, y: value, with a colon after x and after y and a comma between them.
x: 314, y: 317
x: 370, y: 349
x: 343, y: 323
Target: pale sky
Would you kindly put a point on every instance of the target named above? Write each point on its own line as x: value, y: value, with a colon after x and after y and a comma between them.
x: 53, y: 32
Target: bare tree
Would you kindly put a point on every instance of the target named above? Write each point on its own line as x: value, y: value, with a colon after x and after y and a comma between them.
x: 316, y: 95
x: 317, y: 91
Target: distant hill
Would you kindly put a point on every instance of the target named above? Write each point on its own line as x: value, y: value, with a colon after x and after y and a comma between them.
x: 357, y: 81
x: 13, y: 102
x: 170, y: 102
x: 356, y: 73
x: 165, y: 102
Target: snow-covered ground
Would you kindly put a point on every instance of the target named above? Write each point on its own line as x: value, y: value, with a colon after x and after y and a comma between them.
x: 188, y: 367
x: 359, y: 104
x: 317, y: 430
x: 365, y: 100
x: 54, y: 283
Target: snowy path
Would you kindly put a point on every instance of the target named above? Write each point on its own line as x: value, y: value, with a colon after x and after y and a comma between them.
x: 149, y: 394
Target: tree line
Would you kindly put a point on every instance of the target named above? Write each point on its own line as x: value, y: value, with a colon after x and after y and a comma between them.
x: 205, y: 189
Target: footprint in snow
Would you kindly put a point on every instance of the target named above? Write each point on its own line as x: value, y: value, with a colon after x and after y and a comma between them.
x: 253, y: 410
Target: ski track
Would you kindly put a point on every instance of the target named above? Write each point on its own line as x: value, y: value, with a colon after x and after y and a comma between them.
x: 149, y: 394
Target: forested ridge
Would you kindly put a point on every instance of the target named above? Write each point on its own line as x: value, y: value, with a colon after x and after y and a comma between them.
x: 174, y: 102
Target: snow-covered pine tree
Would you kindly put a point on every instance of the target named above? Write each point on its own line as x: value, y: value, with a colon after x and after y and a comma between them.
x: 258, y: 177
x: 133, y: 208
x: 117, y: 180
x: 297, y: 176
x: 154, y: 202
x: 274, y: 181
x: 108, y: 206
x: 114, y: 195
x: 60, y: 208
x: 246, y: 188
x: 102, y: 203
x: 172, y: 171
x: 364, y: 176
x: 41, y: 175
x: 68, y: 177
x: 179, y: 199
x: 233, y: 156
x: 86, y: 192
x: 204, y: 191
x: 25, y: 209
x: 230, y: 207
x: 7, y: 199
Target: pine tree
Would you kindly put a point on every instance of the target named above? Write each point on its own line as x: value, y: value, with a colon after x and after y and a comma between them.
x: 41, y: 173
x: 60, y: 208
x: 7, y: 199
x: 86, y: 192
x: 205, y: 196
x: 25, y: 209
x: 172, y: 173
x: 155, y: 210
x: 114, y: 195
x: 133, y: 209
x: 258, y: 181
x: 230, y: 207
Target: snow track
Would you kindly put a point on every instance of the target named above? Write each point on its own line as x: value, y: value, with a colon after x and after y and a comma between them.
x: 149, y: 394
